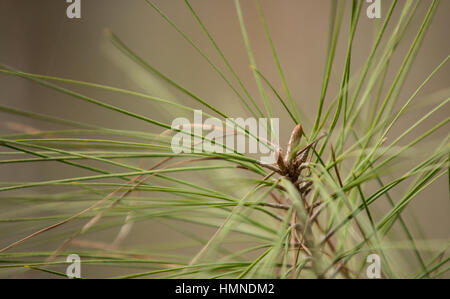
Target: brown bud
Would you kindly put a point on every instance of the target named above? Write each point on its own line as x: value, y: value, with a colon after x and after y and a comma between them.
x: 294, y: 140
x: 280, y: 160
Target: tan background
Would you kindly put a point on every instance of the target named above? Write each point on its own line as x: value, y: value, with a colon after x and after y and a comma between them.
x: 37, y: 37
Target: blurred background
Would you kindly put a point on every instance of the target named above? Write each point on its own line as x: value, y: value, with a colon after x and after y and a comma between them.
x: 37, y: 37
